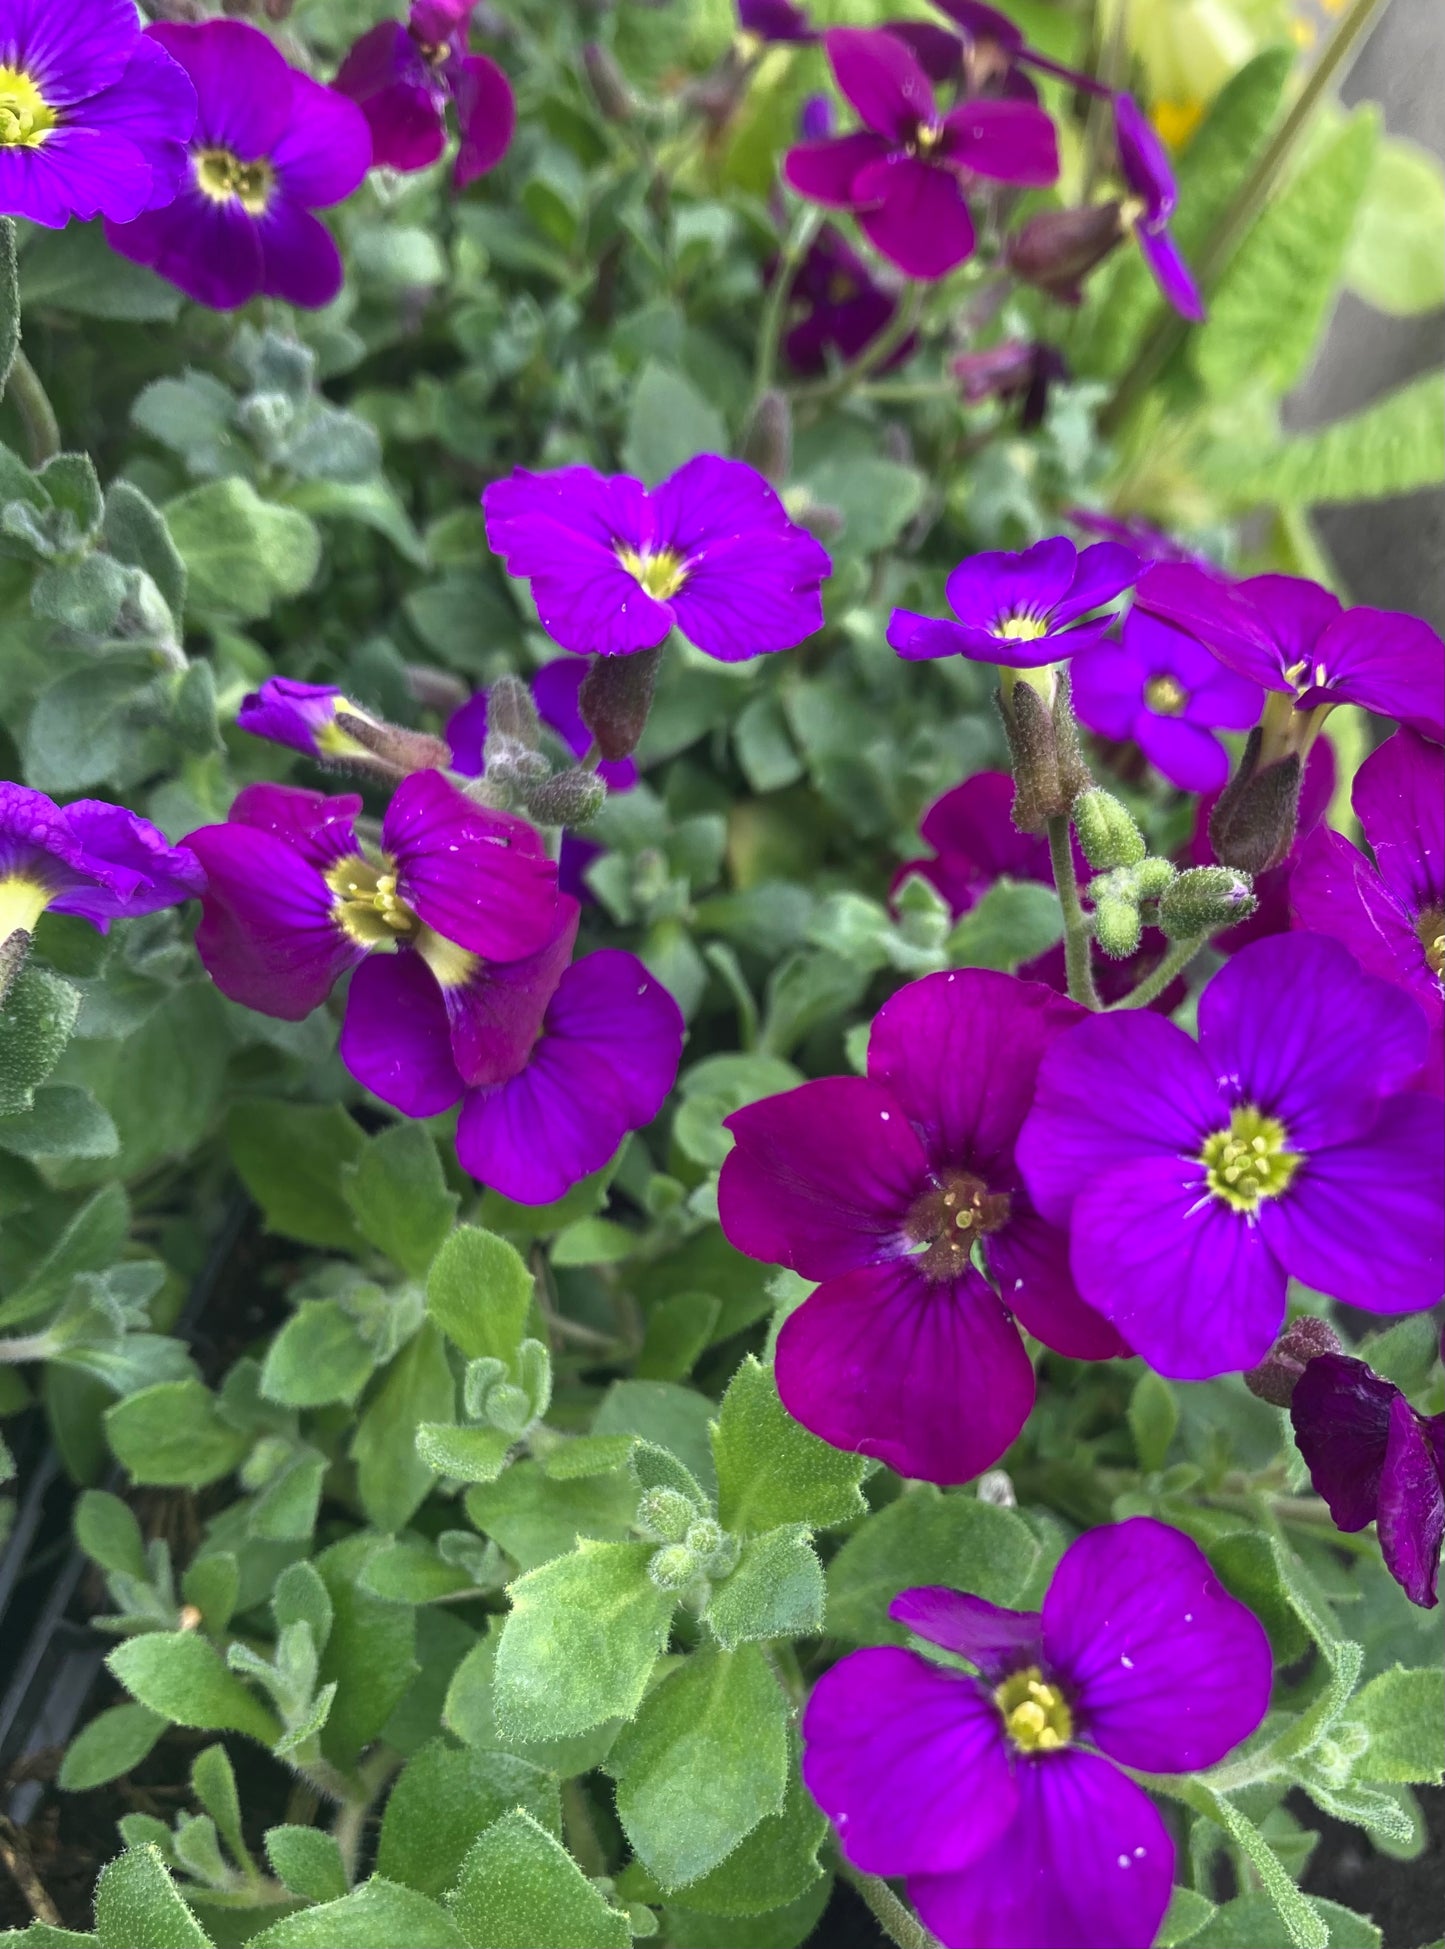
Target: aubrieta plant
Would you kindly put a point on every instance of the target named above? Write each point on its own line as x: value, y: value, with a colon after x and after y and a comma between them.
x: 722, y: 983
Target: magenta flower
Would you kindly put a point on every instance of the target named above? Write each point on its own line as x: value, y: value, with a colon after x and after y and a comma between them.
x: 1375, y: 1460
x: 1390, y: 916
x: 94, y: 117
x: 87, y: 858
x: 1169, y: 694
x: 270, y: 145
x: 1195, y: 1178
x: 295, y: 898
x: 776, y: 20
x: 1272, y: 887
x: 880, y: 1188
x: 402, y: 78
x: 1021, y: 610
x: 615, y: 565
x: 303, y: 716
x: 997, y: 1793
x: 1294, y: 637
x: 904, y: 173
x: 1153, y: 195
x: 845, y: 307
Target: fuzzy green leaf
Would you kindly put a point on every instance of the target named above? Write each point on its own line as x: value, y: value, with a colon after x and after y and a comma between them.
x: 242, y: 554
x: 775, y: 1591
x: 399, y: 1197
x: 137, y: 1907
x: 519, y: 1888
x: 444, y: 1797
x: 111, y: 1744
x: 478, y: 1292
x: 291, y: 1158
x: 172, y: 1436
x: 770, y: 1470
x: 1404, y: 1714
x: 308, y: 1861
x: 378, y: 1915
x: 925, y: 1538
x: 182, y: 1677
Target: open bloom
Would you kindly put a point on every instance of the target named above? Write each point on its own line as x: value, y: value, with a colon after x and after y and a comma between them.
x: 882, y: 1188
x: 270, y: 145
x: 615, y: 565
x: 904, y: 173
x: 1153, y: 195
x: 843, y: 306
x: 88, y: 858
x: 997, y: 1792
x: 1272, y: 887
x: 403, y: 76
x: 1375, y: 1460
x: 1196, y: 1177
x: 94, y: 116
x: 1021, y: 610
x: 1168, y: 693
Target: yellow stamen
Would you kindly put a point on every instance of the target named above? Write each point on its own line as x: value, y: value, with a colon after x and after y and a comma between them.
x: 1036, y: 1714
x: 1165, y: 695
x: 225, y: 178
x: 1022, y: 629
x: 1248, y: 1161
x: 662, y: 574
x: 453, y: 966
x: 368, y: 907
x: 22, y: 902
x: 26, y: 118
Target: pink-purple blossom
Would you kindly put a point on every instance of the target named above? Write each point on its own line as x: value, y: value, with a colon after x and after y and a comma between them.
x: 996, y: 1792
x: 843, y: 306
x: 88, y: 858
x: 778, y: 21
x: 402, y: 77
x: 1153, y: 195
x: 1022, y: 610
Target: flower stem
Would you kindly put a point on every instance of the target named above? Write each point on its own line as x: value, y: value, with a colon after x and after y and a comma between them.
x: 1077, y: 950
x: 37, y: 415
x: 897, y: 1922
x: 770, y: 332
x: 1174, y: 963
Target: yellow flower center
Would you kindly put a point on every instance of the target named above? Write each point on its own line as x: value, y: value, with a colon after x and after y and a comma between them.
x: 945, y: 1221
x: 1165, y: 695
x: 370, y: 911
x: 1021, y: 629
x: 224, y: 178
x: 1249, y: 1161
x: 662, y: 574
x: 26, y: 118
x: 926, y: 138
x: 1036, y: 1714
x: 333, y: 742
x: 22, y: 902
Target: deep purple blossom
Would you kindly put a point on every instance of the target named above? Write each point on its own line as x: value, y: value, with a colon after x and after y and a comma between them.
x: 815, y: 118
x: 1021, y: 610
x: 614, y: 566
x: 903, y: 174
x: 87, y: 858
x: 776, y: 20
x: 303, y: 716
x: 1272, y: 887
x: 270, y: 146
x: 1295, y: 638
x: 94, y: 116
x: 881, y: 1188
x: 1374, y: 1459
x: 997, y: 1793
x: 1194, y: 1178
x: 1390, y: 916
x: 402, y: 78
x: 1168, y: 693
x: 844, y: 306
x: 1153, y: 195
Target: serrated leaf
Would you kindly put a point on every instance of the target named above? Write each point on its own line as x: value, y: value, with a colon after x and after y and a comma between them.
x: 182, y: 1676
x: 774, y: 1865
x: 444, y: 1797
x: 1394, y: 446
x: 771, y: 1470
x: 775, y: 1591
x: 1394, y: 260
x: 478, y: 1292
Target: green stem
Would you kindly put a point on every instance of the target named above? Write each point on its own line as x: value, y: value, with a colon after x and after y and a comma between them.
x: 581, y: 1830
x: 30, y: 1346
x: 1174, y: 963
x: 775, y: 311
x: 1078, y: 954
x: 897, y: 1922
x: 37, y: 415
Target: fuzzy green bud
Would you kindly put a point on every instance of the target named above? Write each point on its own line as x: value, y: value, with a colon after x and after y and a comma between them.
x: 570, y: 798
x: 673, y: 1567
x: 512, y: 713
x: 508, y: 1408
x: 666, y: 1514
x: 1043, y: 740
x: 1117, y: 927
x: 1106, y: 831
x: 1151, y: 876
x: 1204, y: 899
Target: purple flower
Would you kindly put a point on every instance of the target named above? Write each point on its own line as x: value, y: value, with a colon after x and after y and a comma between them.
x: 615, y: 565
x: 1272, y: 887
x: 880, y: 1188
x: 1153, y: 195
x: 87, y: 858
x: 980, y: 23
x: 1194, y: 1178
x: 1390, y: 916
x: 94, y: 117
x: 1014, y: 369
x: 1294, y: 637
x: 302, y: 716
x: 1168, y: 693
x: 1375, y: 1460
x: 997, y: 1793
x: 846, y: 306
x: 402, y: 77
x: 1021, y: 610
x: 776, y: 20
x: 295, y: 898
x: 903, y: 174
x: 270, y: 145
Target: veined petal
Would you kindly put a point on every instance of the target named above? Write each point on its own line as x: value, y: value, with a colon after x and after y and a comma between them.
x: 486, y: 116
x: 826, y: 171
x: 320, y: 826
x: 881, y: 79
x: 1029, y: 1259
x: 998, y: 1641
x: 267, y: 937
x: 915, y: 213
x: 479, y: 878
x: 395, y: 1040
x: 1009, y: 141
x: 1411, y: 1518
x: 1399, y: 796
x: 496, y: 1010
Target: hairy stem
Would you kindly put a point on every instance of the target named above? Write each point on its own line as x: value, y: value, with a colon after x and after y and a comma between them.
x: 37, y: 415
x: 898, y: 1923
x: 1174, y: 963
x: 1077, y: 950
x: 775, y: 311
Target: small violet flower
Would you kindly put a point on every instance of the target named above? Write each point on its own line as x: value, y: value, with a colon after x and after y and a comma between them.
x: 1149, y: 543
x: 303, y: 716
x: 403, y: 76
x: 1168, y: 693
x: 614, y: 566
x: 1153, y: 195
x: 1375, y: 1459
x: 882, y: 1188
x: 88, y: 858
x: 1195, y: 1178
x: 94, y: 115
x: 903, y: 174
x: 997, y: 1793
x: 1021, y: 610
x: 844, y: 306
x: 270, y: 146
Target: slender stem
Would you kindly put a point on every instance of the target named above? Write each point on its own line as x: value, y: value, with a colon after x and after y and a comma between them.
x: 37, y: 415
x: 1078, y: 954
x: 16, y: 1351
x: 770, y: 332
x: 897, y: 1922
x: 581, y: 1829
x: 1174, y: 963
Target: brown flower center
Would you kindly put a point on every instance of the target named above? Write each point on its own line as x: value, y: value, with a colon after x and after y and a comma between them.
x: 947, y: 1219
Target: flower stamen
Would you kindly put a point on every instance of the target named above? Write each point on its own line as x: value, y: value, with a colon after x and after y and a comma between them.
x: 1166, y: 696
x: 222, y: 177
x: 661, y: 574
x: 368, y: 907
x: 1036, y: 1714
x: 26, y: 118
x: 1249, y: 1161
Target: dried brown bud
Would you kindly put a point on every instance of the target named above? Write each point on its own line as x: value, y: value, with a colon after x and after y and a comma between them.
x: 1274, y: 1378
x: 614, y: 700
x: 1253, y: 824
x: 436, y: 690
x: 1057, y: 249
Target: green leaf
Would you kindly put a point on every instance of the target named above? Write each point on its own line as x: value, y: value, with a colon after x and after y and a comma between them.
x: 1394, y: 446
x: 1394, y: 260
x: 1404, y: 1714
x: 181, y: 1676
x: 770, y: 1470
x: 925, y: 1538
x: 291, y: 1158
x: 678, y: 1331
x: 75, y: 270
x: 674, y: 1418
x: 668, y: 422
x: 1298, y: 1916
x: 86, y: 726
x: 242, y: 554
x: 468, y: 1454
x: 35, y: 1024
x: 705, y: 1760
x: 319, y: 1356
x: 135, y: 532
x: 65, y: 1121
x: 372, y: 504
x: 536, y: 1517
x: 1015, y: 921
x: 108, y: 1532
x: 580, y: 1641
x: 213, y: 1781
x: 213, y: 1583
x: 137, y: 1907
x: 1153, y: 1417
x: 392, y: 1480
x: 478, y: 1292
x: 1185, y: 1917
x: 399, y: 1197
x: 91, y: 1239
x: 1250, y: 1920
x: 370, y: 1653
x: 378, y: 1915
x: 308, y: 1861
x: 111, y: 1744
x: 468, y: 1712
x: 444, y: 1797
x: 593, y: 1241
x: 301, y: 1597
x: 409, y: 1571
x: 713, y: 1089
x: 9, y: 302
x: 172, y: 1436
x: 774, y: 1865
x: 519, y: 1888
x: 775, y: 1590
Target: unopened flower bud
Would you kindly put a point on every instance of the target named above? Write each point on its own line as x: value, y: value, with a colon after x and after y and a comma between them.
x: 1106, y: 831
x: 512, y: 711
x: 704, y: 1536
x: 768, y: 442
x: 673, y: 1567
x: 1253, y: 824
x: 1048, y: 766
x: 1151, y: 876
x: 1117, y: 927
x: 666, y: 1514
x: 516, y: 765
x: 996, y: 1486
x: 397, y: 750
x: 436, y: 690
x: 1204, y: 899
x: 614, y: 700
x: 608, y: 85
x: 571, y: 798
x: 1274, y: 1378
x: 1057, y: 249
x: 509, y: 1409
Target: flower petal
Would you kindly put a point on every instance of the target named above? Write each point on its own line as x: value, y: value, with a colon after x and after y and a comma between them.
x: 1411, y: 1519
x: 326, y: 148
x: 826, y: 171
x: 1170, y: 272
x: 242, y: 83
x: 163, y: 875
x: 1009, y: 141
x: 384, y: 74
x: 209, y: 250
x: 496, y: 1012
x: 1107, y: 688
x: 267, y: 938
x: 1186, y: 754
x: 915, y: 213
x: 486, y: 116
x: 300, y: 260
x: 321, y: 826
x: 1385, y: 662
x: 1029, y: 1259
x: 1220, y: 614
x: 394, y: 1039
x: 478, y: 877
x: 1334, y: 890
x: 998, y: 1641
x: 1340, y: 1412
x: 1399, y: 796
x: 1103, y: 570
x: 881, y: 79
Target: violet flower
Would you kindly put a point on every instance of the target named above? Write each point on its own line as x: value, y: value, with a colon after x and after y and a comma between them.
x: 303, y: 716
x: 903, y: 174
x: 997, y: 1793
x: 1168, y: 693
x: 1150, y: 544
x: 845, y: 307
x: 615, y: 565
x: 270, y: 146
x: 94, y: 116
x: 1021, y: 610
x: 1272, y: 887
x: 91, y: 859
x: 882, y: 1188
x: 1374, y: 1459
x: 403, y: 76
x: 1144, y: 165
x: 776, y: 21
x: 1296, y: 639
x: 1195, y: 1178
